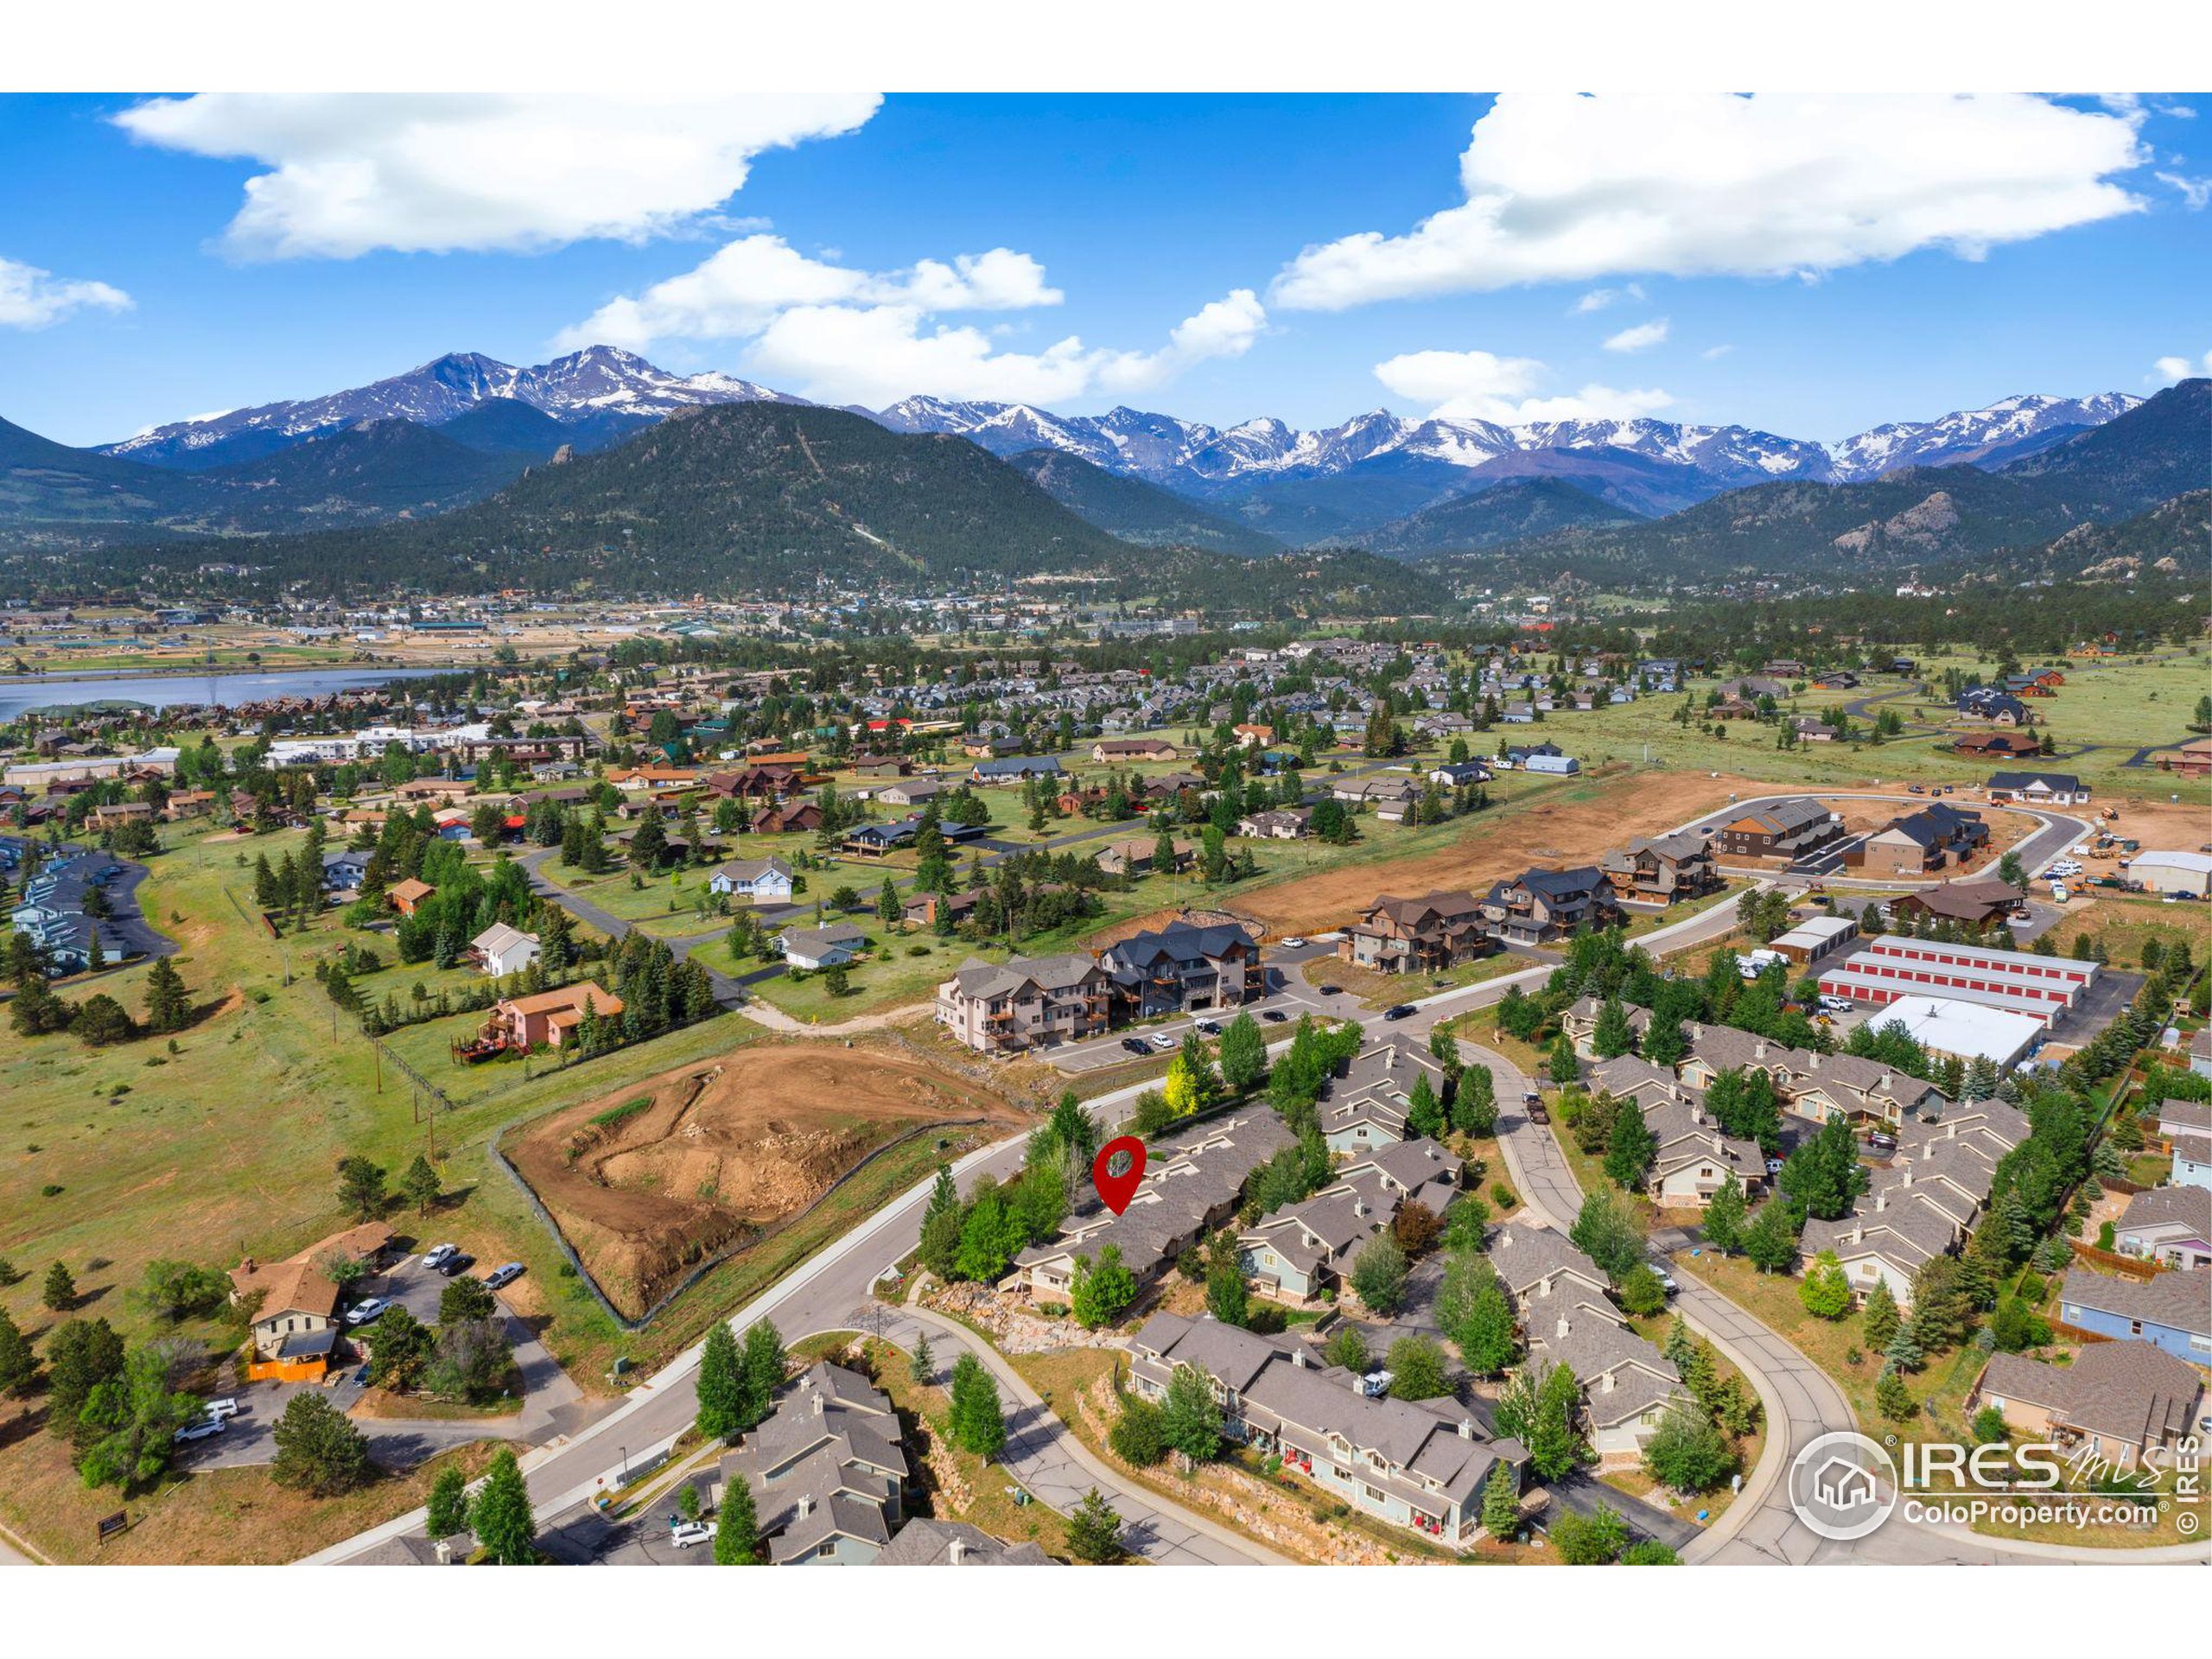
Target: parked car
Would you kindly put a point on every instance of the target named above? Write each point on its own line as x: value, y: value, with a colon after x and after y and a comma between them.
x: 1136, y: 1046
x: 1161, y: 1042
x: 685, y: 1533
x: 201, y: 1430
x: 1774, y: 1165
x: 1398, y: 1010
x: 1212, y: 1028
x: 500, y: 1277
x: 363, y: 1313
x: 1881, y: 1143
x: 1273, y: 1016
x: 1914, y: 789
x: 1533, y: 1103
x: 1666, y: 1279
x: 223, y: 1409
x: 1330, y: 991
x: 438, y: 1255
x: 1291, y: 943
x: 1835, y: 1005
x: 460, y: 1262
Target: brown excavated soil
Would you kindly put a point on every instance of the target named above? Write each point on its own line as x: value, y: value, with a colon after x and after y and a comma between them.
x: 726, y: 1149
x: 1554, y: 831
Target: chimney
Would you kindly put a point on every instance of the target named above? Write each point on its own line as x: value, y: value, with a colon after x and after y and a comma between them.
x: 1562, y: 1330
x: 1358, y: 1384
x: 1297, y: 1357
x: 805, y: 1505
x: 818, y: 1405
x: 1467, y: 1428
x: 956, y: 1553
x: 1758, y: 1048
x: 1859, y: 1232
x: 1881, y: 1202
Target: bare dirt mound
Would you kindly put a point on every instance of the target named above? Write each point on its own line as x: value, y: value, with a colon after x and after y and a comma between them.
x: 650, y: 1181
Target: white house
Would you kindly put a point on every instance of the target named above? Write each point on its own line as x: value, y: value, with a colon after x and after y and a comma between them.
x: 764, y: 881
x: 822, y: 947
x: 500, y: 950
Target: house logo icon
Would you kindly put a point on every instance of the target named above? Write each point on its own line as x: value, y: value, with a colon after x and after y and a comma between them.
x: 1843, y: 1486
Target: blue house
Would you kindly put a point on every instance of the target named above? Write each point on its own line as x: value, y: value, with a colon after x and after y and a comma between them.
x: 2172, y: 1310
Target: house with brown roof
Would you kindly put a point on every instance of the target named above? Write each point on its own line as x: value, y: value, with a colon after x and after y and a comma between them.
x: 1659, y: 870
x: 295, y: 1328
x: 1135, y: 856
x: 406, y: 895
x: 1121, y: 751
x: 1786, y: 829
x: 1416, y: 935
x: 2119, y: 1401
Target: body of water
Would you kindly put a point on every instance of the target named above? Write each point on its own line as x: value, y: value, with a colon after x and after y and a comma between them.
x: 18, y: 696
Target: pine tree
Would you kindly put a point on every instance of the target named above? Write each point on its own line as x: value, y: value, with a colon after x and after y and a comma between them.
x: 720, y: 1388
x: 737, y: 1528
x: 420, y: 1184
x: 1881, y: 1319
x: 1629, y: 1152
x: 921, y: 1366
x: 1094, y: 1530
x: 1892, y: 1397
x: 168, y: 1006
x: 1502, y: 1504
x: 978, y: 1422
x: 1424, y: 1113
x: 1613, y: 1036
x: 60, y: 1292
x: 19, y: 1365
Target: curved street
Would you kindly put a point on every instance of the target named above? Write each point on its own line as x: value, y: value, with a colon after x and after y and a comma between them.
x: 833, y: 1291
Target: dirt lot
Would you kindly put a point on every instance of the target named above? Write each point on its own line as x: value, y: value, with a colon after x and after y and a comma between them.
x: 689, y: 1164
x: 1551, y: 829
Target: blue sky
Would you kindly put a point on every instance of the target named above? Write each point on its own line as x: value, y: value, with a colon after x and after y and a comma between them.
x: 1818, y: 266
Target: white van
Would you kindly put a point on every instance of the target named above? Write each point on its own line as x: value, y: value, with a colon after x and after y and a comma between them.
x: 2058, y: 893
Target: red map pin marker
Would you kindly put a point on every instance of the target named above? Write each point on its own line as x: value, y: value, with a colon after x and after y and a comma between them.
x: 1115, y: 1190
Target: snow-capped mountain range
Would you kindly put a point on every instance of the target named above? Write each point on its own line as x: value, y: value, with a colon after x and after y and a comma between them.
x: 607, y: 390
x: 600, y: 383
x: 1201, y: 459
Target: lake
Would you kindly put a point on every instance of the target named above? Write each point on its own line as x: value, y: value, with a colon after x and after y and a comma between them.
x: 58, y: 691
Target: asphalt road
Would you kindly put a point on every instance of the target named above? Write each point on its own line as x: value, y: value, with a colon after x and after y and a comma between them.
x: 832, y: 1291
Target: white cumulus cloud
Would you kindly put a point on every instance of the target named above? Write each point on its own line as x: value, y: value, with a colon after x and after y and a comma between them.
x: 32, y: 298
x: 1564, y: 187
x: 2167, y: 370
x: 517, y: 172
x: 1483, y: 386
x: 877, y: 354
x: 744, y: 286
x: 839, y: 334
x: 1642, y: 337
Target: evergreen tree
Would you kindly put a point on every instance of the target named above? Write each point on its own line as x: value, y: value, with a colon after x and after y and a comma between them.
x: 1104, y: 1290
x: 420, y: 1184
x: 1881, y: 1319
x: 737, y: 1528
x: 1613, y: 1037
x: 921, y: 1366
x: 319, y: 1450
x: 761, y: 1369
x: 169, y: 1009
x: 978, y: 1422
x: 1094, y: 1530
x: 1894, y: 1400
x: 720, y: 1387
x: 19, y: 1367
x: 59, y: 1293
x: 1424, y: 1114
x: 1502, y: 1504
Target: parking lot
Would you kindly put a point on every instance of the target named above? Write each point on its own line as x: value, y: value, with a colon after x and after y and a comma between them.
x: 551, y: 1404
